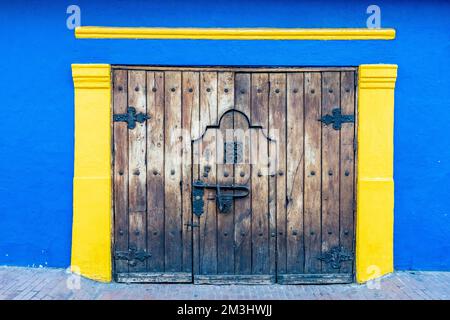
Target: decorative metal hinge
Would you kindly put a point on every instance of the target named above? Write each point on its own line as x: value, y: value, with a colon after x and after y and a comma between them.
x: 132, y: 255
x: 337, y: 119
x: 335, y: 256
x: 131, y: 117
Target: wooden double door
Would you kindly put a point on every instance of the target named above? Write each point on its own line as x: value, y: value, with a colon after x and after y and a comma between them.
x: 240, y: 175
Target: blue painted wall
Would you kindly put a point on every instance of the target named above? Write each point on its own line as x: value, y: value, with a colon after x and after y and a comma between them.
x: 36, y: 131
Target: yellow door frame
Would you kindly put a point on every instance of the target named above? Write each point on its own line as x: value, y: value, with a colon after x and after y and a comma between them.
x: 92, y: 197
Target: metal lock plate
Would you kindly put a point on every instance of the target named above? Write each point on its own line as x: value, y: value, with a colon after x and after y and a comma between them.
x: 197, y: 198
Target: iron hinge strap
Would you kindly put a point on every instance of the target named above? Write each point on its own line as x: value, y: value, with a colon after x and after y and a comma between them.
x: 131, y: 117
x: 337, y: 119
x: 132, y: 255
x: 335, y: 256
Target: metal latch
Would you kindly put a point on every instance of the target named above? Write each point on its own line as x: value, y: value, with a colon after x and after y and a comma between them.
x: 224, y: 200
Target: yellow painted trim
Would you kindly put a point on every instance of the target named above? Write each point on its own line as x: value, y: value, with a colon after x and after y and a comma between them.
x: 375, y: 183
x: 91, y: 235
x: 234, y: 33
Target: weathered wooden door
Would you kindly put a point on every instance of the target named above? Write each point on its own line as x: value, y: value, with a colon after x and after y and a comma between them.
x: 233, y: 175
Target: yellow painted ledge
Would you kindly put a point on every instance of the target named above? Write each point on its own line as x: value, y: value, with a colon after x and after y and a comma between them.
x: 375, y: 183
x: 234, y: 33
x: 91, y: 235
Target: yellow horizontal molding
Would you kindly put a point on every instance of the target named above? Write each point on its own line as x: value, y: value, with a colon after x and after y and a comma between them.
x: 91, y: 76
x: 88, y: 32
x: 381, y: 76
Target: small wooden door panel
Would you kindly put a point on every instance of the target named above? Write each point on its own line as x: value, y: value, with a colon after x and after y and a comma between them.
x: 234, y: 148
x: 297, y: 134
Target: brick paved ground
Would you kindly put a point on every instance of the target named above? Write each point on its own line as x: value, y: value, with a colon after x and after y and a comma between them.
x: 33, y: 283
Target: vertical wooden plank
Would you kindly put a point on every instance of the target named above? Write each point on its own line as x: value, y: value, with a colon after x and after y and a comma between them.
x: 225, y: 92
x: 190, y: 122
x: 207, y: 170
x: 208, y: 220
x: 312, y: 174
x: 195, y: 144
x: 225, y: 172
x: 208, y: 99
x: 347, y: 164
x: 294, y: 173
x: 120, y: 168
x: 330, y: 167
x: 172, y: 172
x: 260, y: 223
x: 277, y: 170
x: 137, y: 171
x: 155, y: 171
x: 242, y: 174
